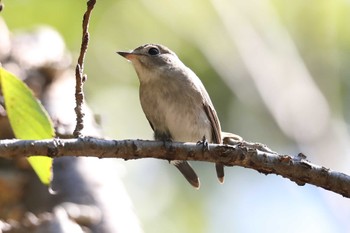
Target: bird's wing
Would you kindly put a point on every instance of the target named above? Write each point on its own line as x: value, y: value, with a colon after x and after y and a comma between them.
x: 216, y: 136
x: 215, y: 124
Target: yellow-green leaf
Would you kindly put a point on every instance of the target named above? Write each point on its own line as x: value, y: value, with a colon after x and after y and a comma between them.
x: 28, y: 119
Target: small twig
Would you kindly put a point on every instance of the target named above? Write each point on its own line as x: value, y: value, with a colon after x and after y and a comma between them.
x: 249, y: 155
x: 79, y: 70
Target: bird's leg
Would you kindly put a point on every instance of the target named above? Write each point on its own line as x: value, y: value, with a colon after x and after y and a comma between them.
x: 204, y: 143
x: 166, y: 145
x: 165, y: 137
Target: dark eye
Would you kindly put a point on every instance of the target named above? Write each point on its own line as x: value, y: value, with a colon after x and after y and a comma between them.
x: 153, y: 51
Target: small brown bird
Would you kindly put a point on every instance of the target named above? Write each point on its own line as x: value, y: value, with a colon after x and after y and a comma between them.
x: 175, y: 102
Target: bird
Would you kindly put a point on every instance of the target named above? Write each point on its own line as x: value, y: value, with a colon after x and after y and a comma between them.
x: 175, y: 102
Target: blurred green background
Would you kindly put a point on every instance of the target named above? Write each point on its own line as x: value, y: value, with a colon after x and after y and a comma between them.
x: 277, y: 72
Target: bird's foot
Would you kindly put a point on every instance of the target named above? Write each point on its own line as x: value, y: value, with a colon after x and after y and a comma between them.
x: 204, y: 143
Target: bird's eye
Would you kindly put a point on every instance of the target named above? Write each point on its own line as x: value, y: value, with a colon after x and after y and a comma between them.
x: 153, y: 51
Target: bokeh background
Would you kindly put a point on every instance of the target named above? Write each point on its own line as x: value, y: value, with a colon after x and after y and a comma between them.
x: 277, y: 72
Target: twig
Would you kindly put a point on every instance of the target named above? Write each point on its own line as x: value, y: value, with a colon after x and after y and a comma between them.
x: 249, y: 155
x: 79, y: 70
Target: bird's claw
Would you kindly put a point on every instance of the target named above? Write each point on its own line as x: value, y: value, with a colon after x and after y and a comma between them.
x: 204, y: 143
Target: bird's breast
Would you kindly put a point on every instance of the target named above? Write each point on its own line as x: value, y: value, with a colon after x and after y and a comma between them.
x: 176, y: 109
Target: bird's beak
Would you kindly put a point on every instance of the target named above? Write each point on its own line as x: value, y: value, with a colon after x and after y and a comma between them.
x: 127, y: 55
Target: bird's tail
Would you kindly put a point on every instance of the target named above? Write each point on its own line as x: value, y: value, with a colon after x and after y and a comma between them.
x: 187, y: 171
x: 220, y: 172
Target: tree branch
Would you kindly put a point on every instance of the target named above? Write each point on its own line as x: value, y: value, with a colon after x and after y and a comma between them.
x: 244, y: 154
x: 80, y: 78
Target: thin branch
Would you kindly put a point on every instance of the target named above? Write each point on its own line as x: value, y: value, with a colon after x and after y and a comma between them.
x: 79, y: 70
x: 248, y: 155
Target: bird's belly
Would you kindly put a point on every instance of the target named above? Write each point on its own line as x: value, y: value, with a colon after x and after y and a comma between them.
x: 176, y: 111
x: 188, y: 126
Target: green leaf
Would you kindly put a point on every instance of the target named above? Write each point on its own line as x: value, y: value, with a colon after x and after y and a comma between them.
x: 28, y: 119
